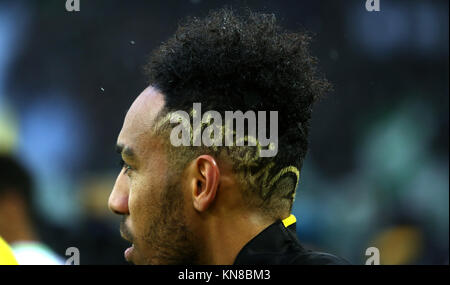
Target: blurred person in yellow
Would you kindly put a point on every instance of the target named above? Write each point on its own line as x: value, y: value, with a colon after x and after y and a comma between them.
x: 17, y: 216
x: 400, y: 245
x: 6, y: 254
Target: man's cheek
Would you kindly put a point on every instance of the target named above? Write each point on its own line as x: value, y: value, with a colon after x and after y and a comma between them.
x: 137, y: 207
x: 135, y: 210
x: 134, y: 207
x: 134, y: 196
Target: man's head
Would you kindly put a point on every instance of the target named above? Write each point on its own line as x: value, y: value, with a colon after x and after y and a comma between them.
x: 171, y: 196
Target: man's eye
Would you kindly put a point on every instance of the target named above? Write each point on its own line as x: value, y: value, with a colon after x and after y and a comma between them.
x: 123, y: 164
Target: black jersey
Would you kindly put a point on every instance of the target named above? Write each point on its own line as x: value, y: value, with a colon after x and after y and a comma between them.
x: 278, y: 244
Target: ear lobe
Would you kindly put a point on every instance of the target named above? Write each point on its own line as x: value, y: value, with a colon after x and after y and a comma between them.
x: 207, y: 182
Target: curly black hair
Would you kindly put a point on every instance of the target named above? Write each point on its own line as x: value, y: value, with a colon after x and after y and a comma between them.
x: 245, y: 61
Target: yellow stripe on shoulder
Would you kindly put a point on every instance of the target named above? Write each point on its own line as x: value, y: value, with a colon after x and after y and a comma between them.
x: 289, y: 221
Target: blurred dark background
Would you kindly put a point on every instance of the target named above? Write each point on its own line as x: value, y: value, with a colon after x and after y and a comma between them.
x: 377, y: 171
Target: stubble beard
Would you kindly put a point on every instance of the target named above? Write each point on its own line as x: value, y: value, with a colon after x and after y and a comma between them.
x: 169, y: 237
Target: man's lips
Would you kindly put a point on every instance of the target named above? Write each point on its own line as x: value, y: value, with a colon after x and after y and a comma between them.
x: 125, y: 233
x: 128, y: 253
x: 125, y: 237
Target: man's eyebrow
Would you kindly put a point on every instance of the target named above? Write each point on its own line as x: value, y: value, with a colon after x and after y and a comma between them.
x: 126, y: 151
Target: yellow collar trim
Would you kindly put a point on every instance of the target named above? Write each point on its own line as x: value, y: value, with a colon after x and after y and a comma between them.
x: 289, y: 221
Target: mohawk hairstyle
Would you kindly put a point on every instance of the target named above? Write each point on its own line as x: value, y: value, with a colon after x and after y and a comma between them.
x: 229, y: 61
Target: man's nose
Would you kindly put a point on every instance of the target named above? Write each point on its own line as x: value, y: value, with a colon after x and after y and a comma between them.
x: 118, y: 199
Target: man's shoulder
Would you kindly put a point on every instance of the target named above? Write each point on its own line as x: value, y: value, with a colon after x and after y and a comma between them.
x: 302, y: 256
x: 279, y: 245
x: 317, y: 258
x: 295, y: 254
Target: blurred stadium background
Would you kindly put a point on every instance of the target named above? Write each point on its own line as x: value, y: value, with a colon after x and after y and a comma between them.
x: 377, y: 172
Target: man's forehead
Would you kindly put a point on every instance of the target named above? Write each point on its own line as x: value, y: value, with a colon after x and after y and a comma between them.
x: 141, y: 115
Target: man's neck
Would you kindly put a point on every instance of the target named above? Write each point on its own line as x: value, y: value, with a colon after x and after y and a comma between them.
x: 226, y: 237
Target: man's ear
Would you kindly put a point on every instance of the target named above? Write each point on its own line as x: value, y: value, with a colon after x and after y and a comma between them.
x: 205, y: 183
